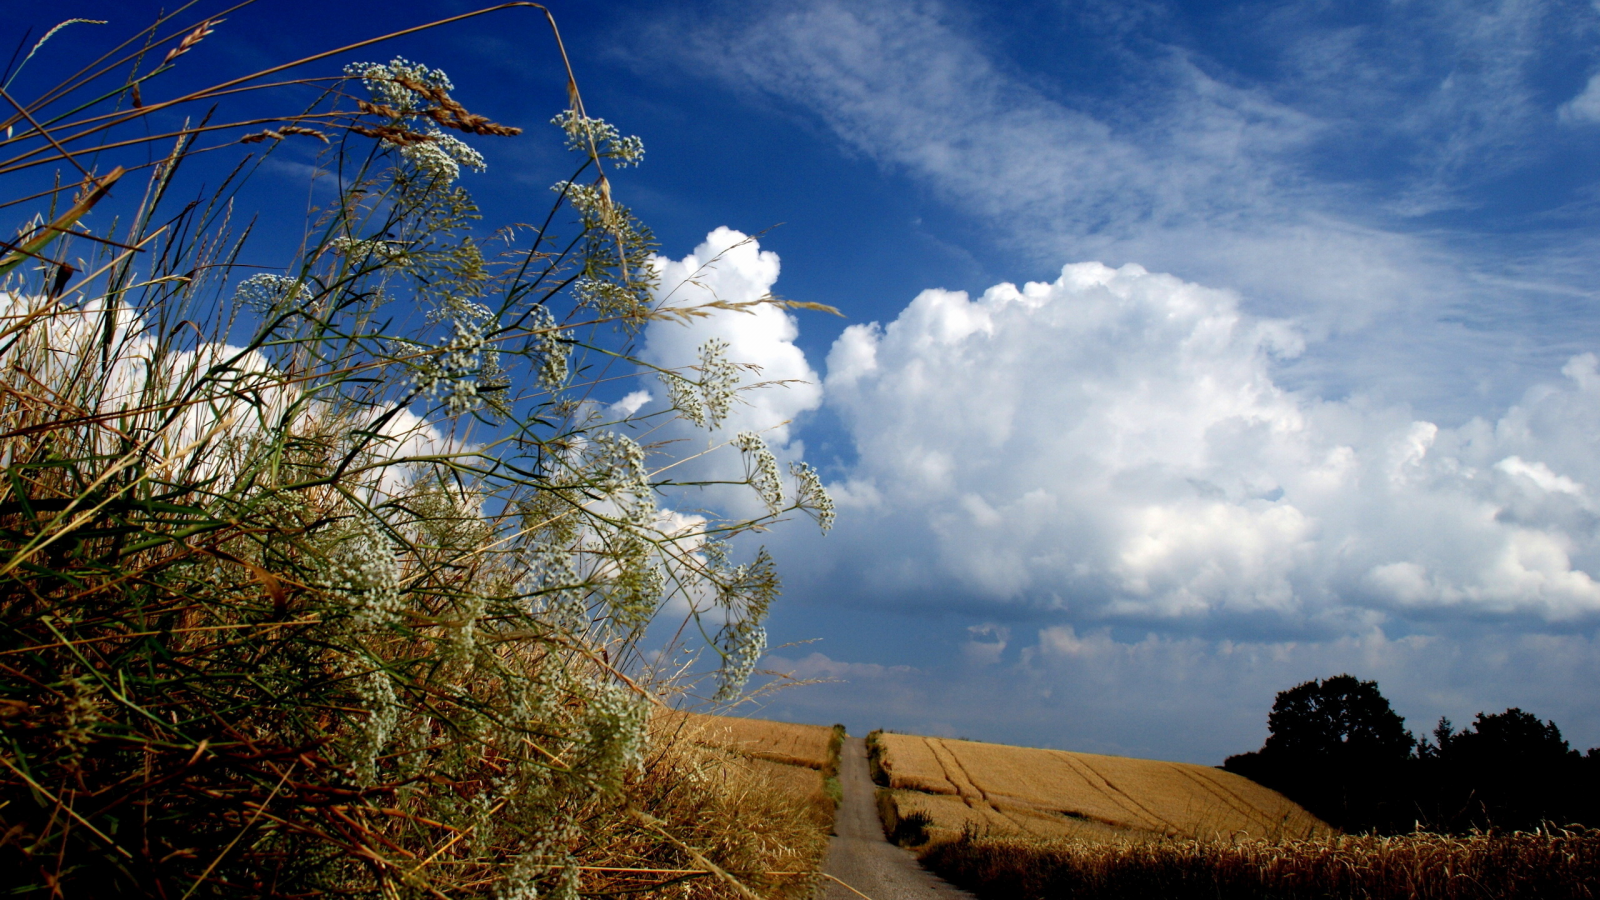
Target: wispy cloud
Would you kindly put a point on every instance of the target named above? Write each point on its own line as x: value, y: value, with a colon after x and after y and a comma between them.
x: 1292, y: 173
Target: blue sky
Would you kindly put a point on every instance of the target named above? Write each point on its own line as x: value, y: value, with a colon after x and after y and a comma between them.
x: 1323, y: 406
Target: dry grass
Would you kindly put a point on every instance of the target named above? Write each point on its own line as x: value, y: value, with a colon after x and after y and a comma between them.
x: 1053, y: 793
x: 763, y: 823
x: 1414, y: 867
x: 780, y: 742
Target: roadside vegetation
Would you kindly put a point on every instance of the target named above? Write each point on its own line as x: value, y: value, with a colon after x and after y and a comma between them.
x: 333, y: 578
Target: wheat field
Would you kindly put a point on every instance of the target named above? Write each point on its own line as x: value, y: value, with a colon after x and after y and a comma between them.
x: 1043, y: 793
x: 780, y: 742
x: 1550, y: 865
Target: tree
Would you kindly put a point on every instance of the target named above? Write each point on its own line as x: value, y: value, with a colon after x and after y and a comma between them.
x: 1337, y: 717
x: 1506, y: 770
x: 1336, y: 747
x: 1513, y: 737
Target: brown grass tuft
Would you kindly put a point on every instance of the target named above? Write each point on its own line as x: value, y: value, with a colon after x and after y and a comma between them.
x: 764, y: 823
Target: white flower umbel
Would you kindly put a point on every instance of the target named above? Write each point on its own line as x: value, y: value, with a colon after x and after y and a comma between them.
x: 615, y: 721
x: 264, y: 292
x: 585, y: 134
x: 383, y: 717
x: 441, y: 156
x: 742, y: 644
x: 705, y: 402
x: 388, y: 83
x: 451, y: 373
x: 811, y: 496
x: 361, y: 570
x: 761, y: 469
x: 553, y: 346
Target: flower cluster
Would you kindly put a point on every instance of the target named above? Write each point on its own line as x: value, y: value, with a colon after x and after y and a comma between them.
x: 462, y: 641
x: 551, y: 584
x: 553, y: 347
x: 593, y: 204
x: 586, y: 135
x: 745, y: 593
x: 441, y: 156
x: 376, y: 691
x: 378, y: 251
x: 761, y: 469
x: 741, y: 644
x: 811, y: 496
x: 264, y: 292
x: 388, y: 83
x: 614, y: 722
x: 705, y: 402
x: 361, y: 570
x: 621, y: 475
x: 410, y: 91
x: 453, y: 371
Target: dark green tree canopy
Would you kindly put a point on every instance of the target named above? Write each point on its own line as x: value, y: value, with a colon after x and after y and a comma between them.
x: 1511, y: 737
x: 1336, y: 717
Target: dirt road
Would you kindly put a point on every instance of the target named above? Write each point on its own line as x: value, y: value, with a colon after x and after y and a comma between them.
x: 861, y: 857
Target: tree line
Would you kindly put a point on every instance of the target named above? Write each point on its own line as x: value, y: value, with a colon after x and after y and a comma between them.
x: 1337, y: 748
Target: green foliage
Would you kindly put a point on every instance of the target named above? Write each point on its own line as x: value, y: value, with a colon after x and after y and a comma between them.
x: 333, y: 581
x: 875, y: 758
x: 1337, y: 749
x: 1337, y: 717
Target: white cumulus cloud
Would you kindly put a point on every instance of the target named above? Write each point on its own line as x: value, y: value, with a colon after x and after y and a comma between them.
x: 777, y: 383
x: 1114, y: 445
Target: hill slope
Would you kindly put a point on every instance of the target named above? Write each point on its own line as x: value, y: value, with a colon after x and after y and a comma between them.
x: 1054, y: 793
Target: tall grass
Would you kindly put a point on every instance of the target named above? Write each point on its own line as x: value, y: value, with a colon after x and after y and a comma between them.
x: 1553, y: 864
x: 333, y: 579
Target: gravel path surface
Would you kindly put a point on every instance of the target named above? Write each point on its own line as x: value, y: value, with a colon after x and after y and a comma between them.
x: 859, y: 855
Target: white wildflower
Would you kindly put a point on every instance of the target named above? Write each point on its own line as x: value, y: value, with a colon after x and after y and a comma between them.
x: 719, y: 379
x: 553, y: 348
x: 264, y: 292
x: 811, y: 496
x: 585, y: 134
x: 708, y: 401
x: 463, y: 639
x: 615, y: 720
x: 383, y: 718
x: 741, y: 644
x: 375, y: 250
x: 554, y: 589
x: 441, y: 157
x: 452, y: 372
x: 384, y: 83
x: 621, y: 474
x: 361, y: 569
x: 761, y: 469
